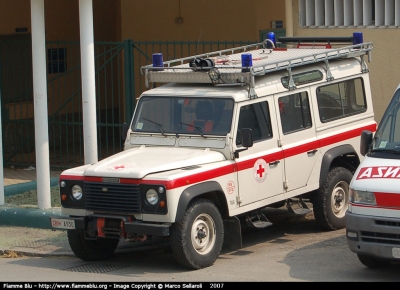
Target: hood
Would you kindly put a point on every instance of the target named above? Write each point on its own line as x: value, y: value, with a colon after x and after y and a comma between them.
x: 377, y: 175
x: 141, y: 161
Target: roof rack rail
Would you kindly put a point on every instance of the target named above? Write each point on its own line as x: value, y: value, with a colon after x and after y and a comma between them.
x: 225, y: 67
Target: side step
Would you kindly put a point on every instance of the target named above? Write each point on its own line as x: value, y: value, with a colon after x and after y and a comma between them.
x: 297, y: 206
x: 258, y: 220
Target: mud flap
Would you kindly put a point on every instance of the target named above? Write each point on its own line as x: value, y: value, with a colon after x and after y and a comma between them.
x: 232, y: 233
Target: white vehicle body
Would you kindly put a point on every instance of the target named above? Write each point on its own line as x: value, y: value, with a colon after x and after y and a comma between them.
x: 373, y: 216
x: 205, y: 153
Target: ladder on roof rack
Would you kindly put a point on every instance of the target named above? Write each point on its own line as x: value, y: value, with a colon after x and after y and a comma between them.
x: 226, y: 65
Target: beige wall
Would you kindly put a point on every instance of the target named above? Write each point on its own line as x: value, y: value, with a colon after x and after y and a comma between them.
x: 62, y: 19
x: 384, y: 70
x: 205, y: 19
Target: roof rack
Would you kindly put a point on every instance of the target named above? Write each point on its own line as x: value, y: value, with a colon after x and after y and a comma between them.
x: 225, y: 67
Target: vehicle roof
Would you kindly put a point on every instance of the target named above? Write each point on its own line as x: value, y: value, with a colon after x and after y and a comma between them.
x: 264, y: 85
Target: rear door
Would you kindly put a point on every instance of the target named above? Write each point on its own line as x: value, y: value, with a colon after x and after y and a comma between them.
x: 298, y: 138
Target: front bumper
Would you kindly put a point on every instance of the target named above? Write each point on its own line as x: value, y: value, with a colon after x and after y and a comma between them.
x: 373, y: 236
x: 112, y: 226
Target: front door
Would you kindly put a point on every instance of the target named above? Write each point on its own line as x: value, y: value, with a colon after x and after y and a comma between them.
x: 260, y: 168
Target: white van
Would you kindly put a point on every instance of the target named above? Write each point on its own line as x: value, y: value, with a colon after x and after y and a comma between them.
x: 373, y: 216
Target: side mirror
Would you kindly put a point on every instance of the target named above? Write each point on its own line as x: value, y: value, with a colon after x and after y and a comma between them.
x: 125, y: 128
x: 365, y: 142
x: 247, y: 137
x: 247, y: 140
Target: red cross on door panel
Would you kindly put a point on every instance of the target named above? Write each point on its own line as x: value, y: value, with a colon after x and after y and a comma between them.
x: 260, y: 170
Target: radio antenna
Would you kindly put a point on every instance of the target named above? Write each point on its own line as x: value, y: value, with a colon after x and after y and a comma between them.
x: 198, y: 41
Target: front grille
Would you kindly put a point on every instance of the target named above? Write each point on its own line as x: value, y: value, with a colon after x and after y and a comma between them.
x: 380, y: 238
x: 388, y: 223
x: 112, y: 197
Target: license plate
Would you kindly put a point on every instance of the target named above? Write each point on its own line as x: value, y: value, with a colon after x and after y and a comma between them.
x: 62, y: 223
x: 396, y: 253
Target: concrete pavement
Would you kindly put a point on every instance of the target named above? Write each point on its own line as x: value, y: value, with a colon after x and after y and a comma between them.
x: 26, y: 231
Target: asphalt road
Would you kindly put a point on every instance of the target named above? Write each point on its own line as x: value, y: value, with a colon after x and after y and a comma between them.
x: 293, y: 249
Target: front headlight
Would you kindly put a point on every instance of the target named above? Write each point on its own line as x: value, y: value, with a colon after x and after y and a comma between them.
x: 152, y: 196
x: 77, y: 192
x: 364, y: 197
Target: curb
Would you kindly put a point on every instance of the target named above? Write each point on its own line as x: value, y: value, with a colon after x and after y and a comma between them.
x: 14, y: 189
x: 28, y: 217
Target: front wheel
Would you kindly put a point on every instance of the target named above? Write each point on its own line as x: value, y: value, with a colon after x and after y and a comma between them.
x: 197, y: 239
x: 91, y: 250
x: 331, y: 200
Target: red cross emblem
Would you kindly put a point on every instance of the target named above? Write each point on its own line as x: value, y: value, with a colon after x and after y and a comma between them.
x: 260, y: 170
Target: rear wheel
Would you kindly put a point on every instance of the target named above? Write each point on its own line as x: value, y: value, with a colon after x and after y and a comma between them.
x: 197, y: 239
x: 372, y: 262
x: 91, y: 250
x: 331, y: 200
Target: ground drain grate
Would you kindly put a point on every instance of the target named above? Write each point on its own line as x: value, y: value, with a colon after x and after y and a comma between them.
x: 30, y: 244
x: 96, y: 268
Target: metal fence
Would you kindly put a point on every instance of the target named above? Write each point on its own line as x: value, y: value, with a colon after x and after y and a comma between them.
x: 118, y: 84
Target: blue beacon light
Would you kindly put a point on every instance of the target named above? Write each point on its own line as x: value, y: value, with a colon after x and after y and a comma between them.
x: 271, y: 36
x: 247, y: 61
x: 158, y: 60
x: 357, y: 38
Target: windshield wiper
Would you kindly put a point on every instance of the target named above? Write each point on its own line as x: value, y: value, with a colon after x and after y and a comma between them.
x: 196, y: 127
x: 159, y: 126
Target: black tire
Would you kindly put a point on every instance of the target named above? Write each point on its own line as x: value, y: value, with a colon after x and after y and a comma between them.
x: 331, y: 200
x: 196, y: 240
x: 91, y: 250
x: 372, y: 262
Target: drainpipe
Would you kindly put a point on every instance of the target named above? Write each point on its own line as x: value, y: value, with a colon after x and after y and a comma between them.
x: 289, y: 17
x: 88, y: 81
x: 40, y: 104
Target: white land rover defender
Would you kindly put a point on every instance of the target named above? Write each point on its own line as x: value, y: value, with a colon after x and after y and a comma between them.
x: 230, y: 133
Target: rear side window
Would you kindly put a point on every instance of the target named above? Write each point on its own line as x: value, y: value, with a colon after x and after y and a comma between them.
x: 295, y: 112
x: 341, y: 100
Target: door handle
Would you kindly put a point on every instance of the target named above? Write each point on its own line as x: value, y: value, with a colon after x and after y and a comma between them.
x: 274, y: 163
x: 312, y: 152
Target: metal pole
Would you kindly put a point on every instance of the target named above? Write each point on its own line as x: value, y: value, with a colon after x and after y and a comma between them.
x: 1, y: 150
x: 40, y: 104
x: 289, y: 17
x: 88, y: 81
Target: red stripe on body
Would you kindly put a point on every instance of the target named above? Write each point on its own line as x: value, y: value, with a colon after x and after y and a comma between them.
x: 384, y: 199
x: 243, y: 165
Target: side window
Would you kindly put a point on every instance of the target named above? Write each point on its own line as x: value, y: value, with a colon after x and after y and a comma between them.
x: 340, y: 100
x: 257, y: 118
x: 295, y: 112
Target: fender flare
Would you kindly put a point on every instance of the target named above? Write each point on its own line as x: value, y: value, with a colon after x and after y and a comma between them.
x: 330, y: 155
x: 191, y: 192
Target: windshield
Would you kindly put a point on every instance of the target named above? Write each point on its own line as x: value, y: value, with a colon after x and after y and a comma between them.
x: 183, y: 115
x: 387, y: 137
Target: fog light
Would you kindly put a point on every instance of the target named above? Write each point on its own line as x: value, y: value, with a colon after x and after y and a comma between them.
x: 352, y: 235
x: 63, y: 184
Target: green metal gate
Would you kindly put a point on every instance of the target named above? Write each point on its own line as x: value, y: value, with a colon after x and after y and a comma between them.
x: 118, y: 84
